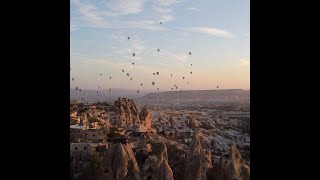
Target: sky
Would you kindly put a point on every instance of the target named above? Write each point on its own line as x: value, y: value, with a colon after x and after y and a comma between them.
x: 216, y: 32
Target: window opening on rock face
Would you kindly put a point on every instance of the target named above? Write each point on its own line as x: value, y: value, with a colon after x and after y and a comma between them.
x: 106, y: 171
x: 76, y: 148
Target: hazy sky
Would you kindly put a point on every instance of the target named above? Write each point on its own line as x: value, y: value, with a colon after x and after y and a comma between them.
x: 217, y: 32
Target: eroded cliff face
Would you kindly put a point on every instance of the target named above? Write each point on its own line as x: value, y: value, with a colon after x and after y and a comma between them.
x: 120, y: 163
x: 232, y: 166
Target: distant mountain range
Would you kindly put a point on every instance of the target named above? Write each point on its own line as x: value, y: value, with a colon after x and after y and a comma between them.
x: 146, y: 95
x: 105, y: 95
x: 203, y: 95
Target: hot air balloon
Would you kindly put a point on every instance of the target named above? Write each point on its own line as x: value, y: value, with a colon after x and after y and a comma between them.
x: 110, y: 90
x: 153, y: 83
x: 99, y: 87
x: 128, y: 74
x: 77, y: 88
x: 171, y: 74
x: 122, y: 70
x: 176, y: 87
x: 80, y: 90
x: 130, y: 78
x: 160, y: 22
x: 171, y: 88
x: 141, y: 84
x: 133, y: 63
x: 183, y: 77
x: 187, y: 82
x: 190, y: 72
x: 217, y: 86
x: 133, y: 54
x: 190, y: 53
x: 154, y: 73
x: 157, y: 73
x: 97, y: 92
x: 72, y: 79
x: 191, y: 64
x: 128, y: 37
x: 158, y: 50
x: 138, y: 91
x: 100, y: 74
x: 158, y: 89
x: 109, y: 77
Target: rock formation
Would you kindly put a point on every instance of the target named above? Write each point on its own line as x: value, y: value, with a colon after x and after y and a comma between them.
x: 146, y: 118
x: 127, y: 111
x: 197, y: 165
x: 156, y: 165
x: 232, y: 166
x: 194, y: 123
x: 120, y: 163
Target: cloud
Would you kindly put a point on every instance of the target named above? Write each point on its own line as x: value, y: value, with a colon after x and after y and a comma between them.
x: 192, y: 9
x: 164, y: 8
x: 211, y: 31
x: 168, y: 2
x: 244, y: 62
x: 124, y: 7
x: 89, y: 15
x: 73, y: 28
